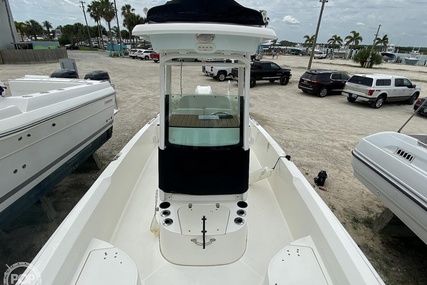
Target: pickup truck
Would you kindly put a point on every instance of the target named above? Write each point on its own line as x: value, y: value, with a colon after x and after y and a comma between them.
x: 376, y: 89
x: 219, y: 72
x: 266, y: 70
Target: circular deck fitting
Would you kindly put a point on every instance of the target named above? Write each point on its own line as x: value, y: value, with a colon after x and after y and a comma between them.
x: 164, y: 205
x: 239, y: 221
x: 167, y: 222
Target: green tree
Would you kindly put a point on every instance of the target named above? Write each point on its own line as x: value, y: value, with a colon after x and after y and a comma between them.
x: 353, y: 39
x: 21, y: 27
x: 48, y: 26
x: 108, y: 13
x: 130, y: 19
x: 384, y: 41
x: 69, y: 34
x: 363, y: 55
x: 95, y: 12
x: 308, y: 42
x: 33, y: 28
x: 335, y: 41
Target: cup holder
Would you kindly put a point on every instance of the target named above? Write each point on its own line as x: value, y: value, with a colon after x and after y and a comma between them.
x: 165, y: 213
x: 164, y: 205
x: 167, y: 222
x: 239, y: 221
x: 241, y: 213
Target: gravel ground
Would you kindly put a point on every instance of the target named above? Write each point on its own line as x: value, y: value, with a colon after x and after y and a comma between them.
x: 318, y: 133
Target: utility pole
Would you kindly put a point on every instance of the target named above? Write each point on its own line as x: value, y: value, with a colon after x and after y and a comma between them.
x: 368, y: 61
x: 315, y: 35
x: 87, y: 26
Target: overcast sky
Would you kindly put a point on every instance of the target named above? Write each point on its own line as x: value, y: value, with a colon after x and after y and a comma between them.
x: 403, y: 21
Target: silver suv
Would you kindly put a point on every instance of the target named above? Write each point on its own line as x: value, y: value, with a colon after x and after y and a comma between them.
x: 379, y: 88
x: 133, y: 52
x: 144, y: 54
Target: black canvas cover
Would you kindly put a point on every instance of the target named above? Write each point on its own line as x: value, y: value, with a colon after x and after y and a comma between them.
x: 219, y: 11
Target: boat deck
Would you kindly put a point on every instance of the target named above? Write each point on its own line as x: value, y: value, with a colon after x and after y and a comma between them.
x: 267, y: 234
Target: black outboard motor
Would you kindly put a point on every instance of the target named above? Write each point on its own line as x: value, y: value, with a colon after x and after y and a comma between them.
x: 98, y: 75
x: 64, y: 73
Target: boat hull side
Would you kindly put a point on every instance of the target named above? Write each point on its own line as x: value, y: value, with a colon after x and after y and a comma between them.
x: 31, y: 155
x: 33, y: 195
x: 393, y: 167
x: 392, y: 196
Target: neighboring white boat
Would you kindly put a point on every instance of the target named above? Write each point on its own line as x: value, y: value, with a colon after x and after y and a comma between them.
x: 411, y: 60
x: 393, y: 166
x: 179, y: 205
x: 47, y: 128
x: 389, y: 54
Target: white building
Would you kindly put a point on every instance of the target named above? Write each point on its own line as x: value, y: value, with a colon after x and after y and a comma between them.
x: 7, y: 27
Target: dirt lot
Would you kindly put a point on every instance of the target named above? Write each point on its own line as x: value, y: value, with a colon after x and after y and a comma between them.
x: 318, y: 133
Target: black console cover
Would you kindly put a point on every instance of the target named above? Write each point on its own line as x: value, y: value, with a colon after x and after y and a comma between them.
x: 220, y: 11
x: 203, y: 171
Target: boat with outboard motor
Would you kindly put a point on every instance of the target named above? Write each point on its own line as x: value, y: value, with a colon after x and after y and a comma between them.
x: 48, y: 127
x: 202, y: 194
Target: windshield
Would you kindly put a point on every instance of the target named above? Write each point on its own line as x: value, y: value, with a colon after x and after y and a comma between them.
x: 203, y: 120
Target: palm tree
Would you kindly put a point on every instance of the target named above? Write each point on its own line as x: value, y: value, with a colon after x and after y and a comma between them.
x: 354, y: 38
x: 94, y: 10
x: 131, y: 20
x: 335, y: 40
x: 127, y: 9
x: 308, y: 42
x: 108, y: 13
x: 382, y: 41
x: 33, y: 28
x: 48, y: 26
x: 21, y: 28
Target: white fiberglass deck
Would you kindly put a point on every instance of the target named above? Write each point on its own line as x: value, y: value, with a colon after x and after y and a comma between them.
x: 267, y: 234
x: 292, y: 235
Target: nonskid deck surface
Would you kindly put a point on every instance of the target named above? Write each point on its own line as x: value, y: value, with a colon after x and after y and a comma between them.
x: 267, y: 234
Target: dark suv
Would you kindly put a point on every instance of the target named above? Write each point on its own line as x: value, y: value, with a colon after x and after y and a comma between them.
x: 323, y: 82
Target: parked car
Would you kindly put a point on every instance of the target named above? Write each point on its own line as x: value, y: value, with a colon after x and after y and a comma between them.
x: 220, y: 73
x: 155, y: 56
x: 376, y: 89
x: 133, y: 52
x: 323, y: 82
x: 320, y: 55
x: 144, y: 54
x: 266, y: 70
x: 256, y: 57
x: 71, y: 46
x: 423, y: 110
